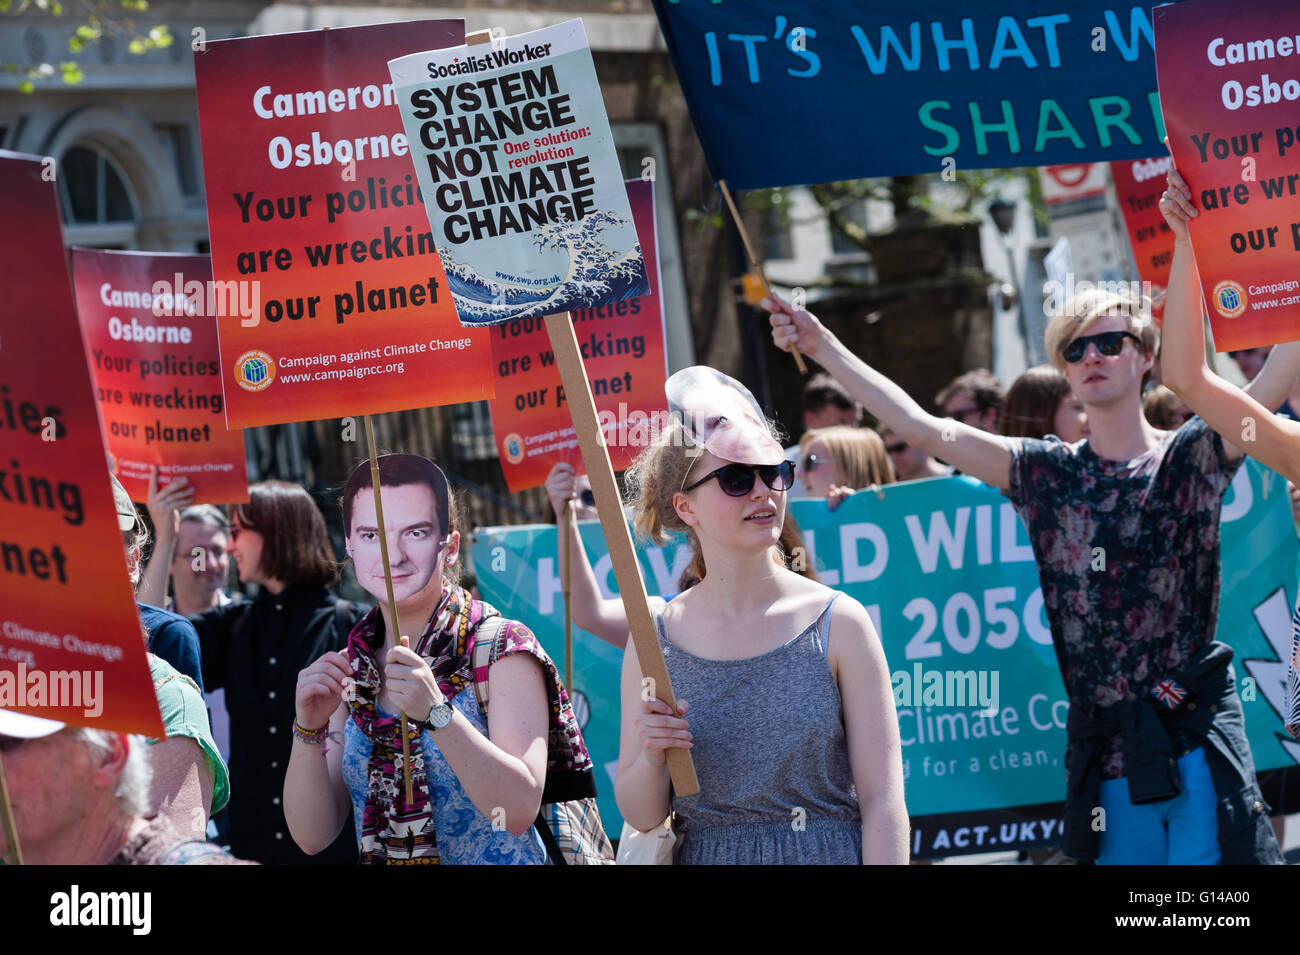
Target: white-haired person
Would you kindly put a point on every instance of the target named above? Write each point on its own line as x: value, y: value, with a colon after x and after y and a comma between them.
x: 770, y: 669
x: 1134, y: 640
x: 83, y: 797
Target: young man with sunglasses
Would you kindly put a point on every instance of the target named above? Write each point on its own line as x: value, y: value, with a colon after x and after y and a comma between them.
x: 1125, y: 531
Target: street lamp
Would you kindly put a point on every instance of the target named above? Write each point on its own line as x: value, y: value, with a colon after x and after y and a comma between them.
x: 1003, y: 214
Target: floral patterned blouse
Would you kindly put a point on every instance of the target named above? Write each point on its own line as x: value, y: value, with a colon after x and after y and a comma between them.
x: 1128, y: 558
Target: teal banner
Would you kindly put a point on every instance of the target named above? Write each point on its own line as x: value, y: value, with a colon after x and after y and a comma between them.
x: 945, y: 569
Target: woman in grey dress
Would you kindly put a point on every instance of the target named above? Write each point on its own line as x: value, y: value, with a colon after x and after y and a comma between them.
x: 791, y: 719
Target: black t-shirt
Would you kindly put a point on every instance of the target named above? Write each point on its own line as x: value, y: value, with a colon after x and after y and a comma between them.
x: 255, y: 652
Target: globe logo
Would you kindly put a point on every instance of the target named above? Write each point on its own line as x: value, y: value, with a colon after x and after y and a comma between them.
x: 1229, y: 299
x: 254, y: 370
x: 513, y: 446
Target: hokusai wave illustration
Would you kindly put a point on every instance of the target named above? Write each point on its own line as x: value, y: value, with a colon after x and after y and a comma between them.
x: 596, y: 274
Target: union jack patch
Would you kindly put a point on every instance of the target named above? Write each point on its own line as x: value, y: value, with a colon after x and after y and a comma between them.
x: 1169, y: 692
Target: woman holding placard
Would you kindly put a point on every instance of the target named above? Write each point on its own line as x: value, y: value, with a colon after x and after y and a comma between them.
x: 1275, y: 440
x: 606, y: 617
x: 477, y: 782
x: 795, y: 740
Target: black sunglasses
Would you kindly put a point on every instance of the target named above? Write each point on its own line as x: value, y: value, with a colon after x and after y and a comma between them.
x: 1108, y: 344
x: 1234, y: 355
x: 898, y: 448
x: 10, y: 743
x: 737, y: 480
x: 587, y: 496
x: 812, y: 462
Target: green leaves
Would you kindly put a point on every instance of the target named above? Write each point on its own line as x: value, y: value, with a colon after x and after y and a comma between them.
x: 90, y: 31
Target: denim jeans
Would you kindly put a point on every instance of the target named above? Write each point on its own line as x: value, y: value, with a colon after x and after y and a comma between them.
x: 1179, y: 831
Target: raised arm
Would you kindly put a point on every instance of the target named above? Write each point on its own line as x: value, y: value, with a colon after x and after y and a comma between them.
x: 164, y: 508
x: 593, y: 612
x: 978, y: 453
x: 1243, y: 418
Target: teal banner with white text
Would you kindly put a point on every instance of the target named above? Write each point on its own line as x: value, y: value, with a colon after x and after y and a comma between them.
x: 945, y: 569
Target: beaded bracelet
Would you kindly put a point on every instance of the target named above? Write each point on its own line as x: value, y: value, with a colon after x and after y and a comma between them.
x: 312, y: 737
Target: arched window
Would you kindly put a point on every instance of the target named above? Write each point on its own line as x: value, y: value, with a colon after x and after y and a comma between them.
x: 98, y: 207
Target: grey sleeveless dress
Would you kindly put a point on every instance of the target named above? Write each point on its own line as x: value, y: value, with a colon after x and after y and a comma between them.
x: 771, y: 755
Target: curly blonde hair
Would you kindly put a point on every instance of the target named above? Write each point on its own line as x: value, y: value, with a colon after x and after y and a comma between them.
x: 658, y: 473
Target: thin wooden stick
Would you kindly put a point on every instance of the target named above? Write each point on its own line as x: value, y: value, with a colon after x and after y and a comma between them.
x: 7, y: 816
x: 566, y: 584
x: 394, y: 625
x: 755, y: 261
x: 609, y: 507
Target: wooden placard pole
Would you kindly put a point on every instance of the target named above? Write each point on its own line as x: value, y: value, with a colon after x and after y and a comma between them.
x: 609, y: 505
x: 7, y: 817
x: 567, y: 589
x: 390, y: 616
x: 754, y: 260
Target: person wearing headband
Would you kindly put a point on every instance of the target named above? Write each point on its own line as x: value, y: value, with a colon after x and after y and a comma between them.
x: 477, y: 787
x: 783, y: 691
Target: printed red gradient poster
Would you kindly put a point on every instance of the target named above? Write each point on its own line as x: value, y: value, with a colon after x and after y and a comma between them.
x: 152, y: 350
x: 1230, y: 91
x: 337, y: 303
x: 622, y: 347
x: 1138, y: 184
x: 71, y: 645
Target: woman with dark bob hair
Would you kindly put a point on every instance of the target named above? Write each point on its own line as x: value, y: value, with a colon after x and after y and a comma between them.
x: 254, y: 650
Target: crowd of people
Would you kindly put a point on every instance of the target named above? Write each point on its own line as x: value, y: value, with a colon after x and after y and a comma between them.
x: 304, y: 728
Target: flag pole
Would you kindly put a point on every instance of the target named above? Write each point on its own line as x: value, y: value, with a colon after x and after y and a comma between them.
x: 754, y: 260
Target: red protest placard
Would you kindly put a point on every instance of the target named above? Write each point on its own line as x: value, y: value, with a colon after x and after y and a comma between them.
x: 152, y: 353
x: 1229, y: 95
x: 71, y: 644
x: 622, y: 346
x: 1138, y: 184
x: 340, y: 302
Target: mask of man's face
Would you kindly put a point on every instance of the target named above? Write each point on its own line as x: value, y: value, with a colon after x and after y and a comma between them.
x: 722, y: 415
x: 414, y: 541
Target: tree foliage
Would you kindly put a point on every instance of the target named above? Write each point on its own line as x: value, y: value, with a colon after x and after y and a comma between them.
x: 94, y: 20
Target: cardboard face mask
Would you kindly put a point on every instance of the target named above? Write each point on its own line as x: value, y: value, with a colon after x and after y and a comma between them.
x: 415, y: 515
x: 720, y: 414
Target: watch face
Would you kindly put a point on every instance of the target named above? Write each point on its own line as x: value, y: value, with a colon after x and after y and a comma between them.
x: 440, y: 716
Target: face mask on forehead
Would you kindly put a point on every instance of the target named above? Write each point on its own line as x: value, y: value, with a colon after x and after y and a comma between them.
x: 721, y: 415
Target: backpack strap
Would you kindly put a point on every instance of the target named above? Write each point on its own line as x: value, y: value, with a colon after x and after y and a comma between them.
x: 548, y: 838
x: 482, y: 655
x: 342, y: 621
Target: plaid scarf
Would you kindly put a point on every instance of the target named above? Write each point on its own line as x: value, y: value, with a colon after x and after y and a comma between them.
x: 393, y: 831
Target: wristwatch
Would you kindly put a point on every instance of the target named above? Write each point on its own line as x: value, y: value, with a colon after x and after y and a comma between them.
x: 439, y: 716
